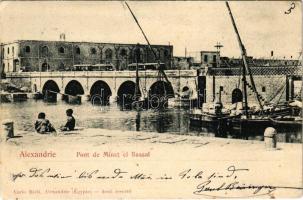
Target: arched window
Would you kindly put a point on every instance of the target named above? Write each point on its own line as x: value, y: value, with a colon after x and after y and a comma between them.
x: 93, y: 51
x: 108, y: 54
x: 45, y: 67
x: 61, y: 67
x: 27, y: 49
x: 13, y: 50
x: 166, y: 54
x: 139, y: 54
x: 123, y: 52
x: 7, y: 50
x: 61, y: 49
x: 156, y: 52
x: 44, y: 51
x: 77, y: 50
x: 237, y: 96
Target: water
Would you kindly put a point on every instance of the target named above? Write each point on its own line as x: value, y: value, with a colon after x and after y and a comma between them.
x: 169, y: 120
x: 110, y: 117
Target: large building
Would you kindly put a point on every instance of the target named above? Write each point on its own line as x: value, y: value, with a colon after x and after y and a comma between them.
x: 213, y: 59
x: 37, y: 55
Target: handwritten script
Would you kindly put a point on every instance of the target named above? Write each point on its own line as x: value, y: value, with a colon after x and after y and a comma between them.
x: 205, y: 182
x: 292, y: 6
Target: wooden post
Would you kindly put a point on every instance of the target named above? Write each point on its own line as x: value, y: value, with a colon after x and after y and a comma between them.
x: 8, y: 129
x: 292, y: 88
x: 214, y: 87
x: 287, y: 89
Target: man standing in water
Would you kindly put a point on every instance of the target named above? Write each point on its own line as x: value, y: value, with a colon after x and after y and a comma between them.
x: 70, y: 123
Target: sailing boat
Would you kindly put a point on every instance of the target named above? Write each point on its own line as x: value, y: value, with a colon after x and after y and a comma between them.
x: 250, y: 124
x: 290, y: 121
x: 214, y: 119
x: 162, y: 99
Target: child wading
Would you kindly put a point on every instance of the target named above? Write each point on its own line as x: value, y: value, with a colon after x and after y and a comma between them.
x: 43, y: 125
x: 70, y: 124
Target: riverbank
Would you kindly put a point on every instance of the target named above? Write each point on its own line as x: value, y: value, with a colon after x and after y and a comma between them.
x: 151, y: 153
x: 98, y: 136
x: 195, y: 145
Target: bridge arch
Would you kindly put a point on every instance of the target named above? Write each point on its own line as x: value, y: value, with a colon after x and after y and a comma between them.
x: 100, y: 92
x: 50, y: 85
x: 126, y: 88
x: 50, y: 90
x: 161, y: 88
x: 74, y: 88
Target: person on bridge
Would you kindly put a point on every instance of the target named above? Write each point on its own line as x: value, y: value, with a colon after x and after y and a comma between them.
x: 43, y: 125
x: 70, y: 123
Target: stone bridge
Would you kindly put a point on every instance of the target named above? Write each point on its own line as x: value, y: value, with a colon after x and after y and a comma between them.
x: 112, y: 83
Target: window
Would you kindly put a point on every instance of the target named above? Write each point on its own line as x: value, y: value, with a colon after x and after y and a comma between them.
x: 214, y: 58
x: 139, y: 55
x: 77, y: 50
x: 221, y: 88
x: 61, y: 67
x: 108, y: 54
x: 263, y: 89
x: 123, y: 52
x: 157, y: 52
x: 44, y: 51
x: 205, y: 58
x: 166, y: 54
x: 93, y: 50
x: 7, y: 50
x: 27, y: 49
x: 61, y: 50
x: 13, y: 50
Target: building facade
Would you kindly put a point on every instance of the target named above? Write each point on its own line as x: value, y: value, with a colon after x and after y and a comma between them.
x: 36, y: 55
x: 273, y: 84
x: 213, y: 59
x: 210, y: 59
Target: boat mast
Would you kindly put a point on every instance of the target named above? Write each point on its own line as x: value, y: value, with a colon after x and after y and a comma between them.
x: 161, y: 70
x: 243, y: 57
x: 245, y: 68
x: 137, y: 88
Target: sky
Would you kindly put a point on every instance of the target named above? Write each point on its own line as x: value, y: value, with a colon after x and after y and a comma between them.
x: 194, y: 25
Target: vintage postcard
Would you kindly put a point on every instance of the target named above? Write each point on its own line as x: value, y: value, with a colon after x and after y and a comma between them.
x: 150, y: 99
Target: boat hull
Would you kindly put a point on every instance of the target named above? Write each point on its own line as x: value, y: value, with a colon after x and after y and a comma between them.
x: 290, y: 129
x: 245, y: 128
x: 213, y: 123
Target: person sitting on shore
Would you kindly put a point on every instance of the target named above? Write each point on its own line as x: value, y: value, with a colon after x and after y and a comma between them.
x: 43, y: 125
x: 70, y: 124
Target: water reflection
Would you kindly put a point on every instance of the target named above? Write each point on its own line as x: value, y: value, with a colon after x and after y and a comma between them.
x: 169, y: 120
x: 96, y: 116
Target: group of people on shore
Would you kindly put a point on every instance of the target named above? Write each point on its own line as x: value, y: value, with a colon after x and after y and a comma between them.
x: 43, y: 125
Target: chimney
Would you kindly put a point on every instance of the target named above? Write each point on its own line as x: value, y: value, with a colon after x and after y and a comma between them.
x: 62, y: 36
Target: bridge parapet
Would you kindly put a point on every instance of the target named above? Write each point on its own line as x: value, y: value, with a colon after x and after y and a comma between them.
x: 283, y: 70
x: 103, y: 74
